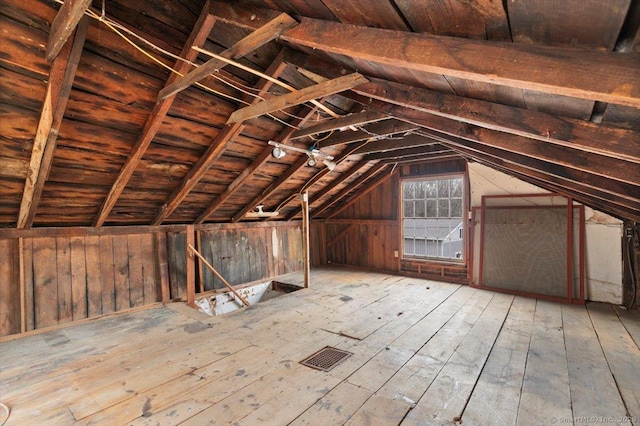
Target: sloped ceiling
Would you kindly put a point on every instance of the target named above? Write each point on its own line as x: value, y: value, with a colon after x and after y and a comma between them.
x: 157, y: 112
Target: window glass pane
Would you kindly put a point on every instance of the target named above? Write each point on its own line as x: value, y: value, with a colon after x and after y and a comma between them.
x: 408, y: 209
x: 432, y: 223
x: 443, y: 207
x: 421, y: 190
x: 432, y: 188
x: 456, y: 187
x: 456, y: 207
x: 432, y: 208
x: 443, y: 188
x: 407, y: 190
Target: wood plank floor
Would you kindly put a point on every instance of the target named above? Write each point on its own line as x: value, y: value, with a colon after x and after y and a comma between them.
x: 423, y: 353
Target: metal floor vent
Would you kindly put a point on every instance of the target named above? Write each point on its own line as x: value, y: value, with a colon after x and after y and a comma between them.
x: 326, y: 358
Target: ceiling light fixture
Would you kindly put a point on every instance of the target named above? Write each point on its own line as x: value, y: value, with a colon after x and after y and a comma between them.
x: 314, y: 154
x: 261, y: 213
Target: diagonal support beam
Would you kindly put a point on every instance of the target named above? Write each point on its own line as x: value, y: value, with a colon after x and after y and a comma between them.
x: 215, y: 150
x: 298, y: 97
x: 387, y: 145
x: 283, y: 137
x: 358, y: 119
x: 334, y: 184
x: 368, y: 187
x: 263, y: 35
x: 61, y: 76
x: 63, y: 25
x: 382, y: 130
x: 355, y: 184
x: 578, y: 134
x: 322, y: 173
x: 198, y: 36
x: 559, y: 71
x: 300, y: 162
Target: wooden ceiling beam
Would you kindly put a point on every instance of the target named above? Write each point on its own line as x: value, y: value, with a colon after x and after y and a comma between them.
x: 334, y: 184
x: 419, y: 159
x: 198, y: 36
x: 595, y: 75
x: 584, y: 135
x: 380, y: 130
x: 425, y: 151
x: 576, y: 183
x: 300, y: 162
x: 61, y: 76
x: 617, y: 176
x: 325, y: 171
x: 64, y: 24
x: 352, y: 186
x: 600, y: 200
x: 261, y: 159
x: 215, y: 150
x: 389, y: 145
x: 351, y: 120
x: 368, y: 187
x: 297, y: 97
x: 248, y: 44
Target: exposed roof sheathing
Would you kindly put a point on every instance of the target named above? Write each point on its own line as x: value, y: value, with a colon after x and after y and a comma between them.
x: 548, y: 92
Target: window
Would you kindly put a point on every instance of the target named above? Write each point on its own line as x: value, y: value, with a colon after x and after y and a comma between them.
x: 432, y: 218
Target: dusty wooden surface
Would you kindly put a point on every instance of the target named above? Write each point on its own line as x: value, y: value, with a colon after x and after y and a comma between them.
x: 424, y: 353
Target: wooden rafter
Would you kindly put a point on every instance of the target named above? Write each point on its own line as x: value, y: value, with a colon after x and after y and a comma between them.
x: 61, y: 76
x: 560, y: 71
x: 383, y: 129
x: 619, y: 177
x: 421, y: 159
x: 259, y: 37
x: 64, y: 24
x: 387, y: 145
x: 322, y: 173
x: 297, y: 97
x: 591, y: 163
x: 589, y: 191
x: 353, y: 185
x: 368, y: 187
x: 578, y: 134
x: 529, y: 172
x: 159, y: 111
x: 214, y: 151
x: 357, y: 119
x: 324, y: 191
x: 283, y: 137
x: 425, y: 152
x: 300, y: 162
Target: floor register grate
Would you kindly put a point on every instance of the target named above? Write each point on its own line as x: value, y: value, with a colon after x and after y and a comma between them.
x: 326, y: 358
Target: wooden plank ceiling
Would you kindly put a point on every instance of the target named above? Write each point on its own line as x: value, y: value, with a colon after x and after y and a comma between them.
x: 156, y: 112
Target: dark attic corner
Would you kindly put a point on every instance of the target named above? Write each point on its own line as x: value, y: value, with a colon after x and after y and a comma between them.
x: 319, y: 212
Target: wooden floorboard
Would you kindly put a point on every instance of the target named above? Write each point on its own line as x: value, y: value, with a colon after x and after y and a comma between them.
x: 423, y: 353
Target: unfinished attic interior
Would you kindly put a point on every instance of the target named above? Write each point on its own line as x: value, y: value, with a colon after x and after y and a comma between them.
x: 319, y: 212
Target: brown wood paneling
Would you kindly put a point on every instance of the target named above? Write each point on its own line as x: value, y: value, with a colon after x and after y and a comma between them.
x: 107, y: 276
x: 78, y: 277
x: 136, y: 282
x: 150, y: 280
x: 177, y: 260
x: 9, y: 288
x: 45, y: 282
x: 575, y: 23
x: 63, y: 269
x: 94, y: 278
x: 27, y: 261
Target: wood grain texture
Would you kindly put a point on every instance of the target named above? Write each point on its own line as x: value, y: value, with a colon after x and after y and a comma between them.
x: 64, y: 24
x: 561, y: 71
x: 589, y: 24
